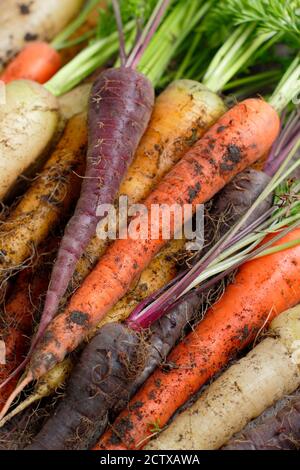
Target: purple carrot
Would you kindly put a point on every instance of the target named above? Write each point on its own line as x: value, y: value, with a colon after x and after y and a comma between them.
x: 284, y: 144
x: 119, y: 111
x: 120, y: 107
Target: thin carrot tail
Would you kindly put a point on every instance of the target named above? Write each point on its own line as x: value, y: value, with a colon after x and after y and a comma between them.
x: 19, y: 369
x: 15, y: 393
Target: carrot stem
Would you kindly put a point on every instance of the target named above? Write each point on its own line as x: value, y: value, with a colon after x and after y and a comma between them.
x: 60, y: 41
x: 116, y: 7
x: 147, y: 34
x: 288, y: 87
x: 234, y: 55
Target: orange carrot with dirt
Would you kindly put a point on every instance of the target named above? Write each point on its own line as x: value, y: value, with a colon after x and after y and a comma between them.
x: 238, y: 139
x: 248, y: 304
x: 182, y: 113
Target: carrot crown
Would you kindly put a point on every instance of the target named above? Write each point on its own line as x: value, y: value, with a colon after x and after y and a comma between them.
x: 182, y: 18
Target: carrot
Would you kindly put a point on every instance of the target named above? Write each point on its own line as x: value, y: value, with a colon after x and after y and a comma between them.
x: 38, y: 62
x: 160, y: 271
x: 239, y: 138
x: 29, y: 121
x: 103, y: 374
x: 46, y: 201
x: 268, y: 372
x: 120, y: 109
x: 52, y: 382
x: 248, y: 304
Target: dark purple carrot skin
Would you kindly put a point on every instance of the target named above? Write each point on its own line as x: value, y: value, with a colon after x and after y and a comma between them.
x: 234, y: 200
x: 103, y: 375
x: 120, y: 108
x: 164, y: 334
x: 278, y: 432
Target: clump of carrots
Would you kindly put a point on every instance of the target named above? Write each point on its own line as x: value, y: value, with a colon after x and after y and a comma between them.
x: 135, y: 147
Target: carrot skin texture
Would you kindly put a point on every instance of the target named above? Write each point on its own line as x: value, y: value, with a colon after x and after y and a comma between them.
x: 237, y: 140
x: 38, y: 62
x: 252, y: 301
x: 238, y: 196
x: 278, y: 432
x: 120, y: 108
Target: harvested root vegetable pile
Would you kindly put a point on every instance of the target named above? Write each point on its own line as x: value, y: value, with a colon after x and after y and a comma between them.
x: 149, y: 225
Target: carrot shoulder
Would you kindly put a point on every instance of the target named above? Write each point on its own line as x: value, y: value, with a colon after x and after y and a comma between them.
x: 262, y: 289
x: 237, y: 140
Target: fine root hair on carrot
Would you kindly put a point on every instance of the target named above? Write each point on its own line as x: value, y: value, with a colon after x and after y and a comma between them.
x: 266, y: 374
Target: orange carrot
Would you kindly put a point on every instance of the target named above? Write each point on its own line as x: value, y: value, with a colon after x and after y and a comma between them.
x: 38, y: 61
x: 263, y: 288
x: 238, y: 139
